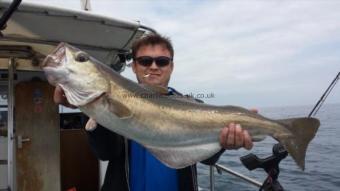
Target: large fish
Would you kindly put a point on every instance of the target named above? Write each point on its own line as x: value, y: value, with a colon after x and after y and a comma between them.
x: 178, y: 131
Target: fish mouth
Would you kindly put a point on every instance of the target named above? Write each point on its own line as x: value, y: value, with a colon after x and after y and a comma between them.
x: 55, y: 58
x: 52, y: 65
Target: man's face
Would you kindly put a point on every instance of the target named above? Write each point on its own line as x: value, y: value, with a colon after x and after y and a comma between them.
x: 153, y: 75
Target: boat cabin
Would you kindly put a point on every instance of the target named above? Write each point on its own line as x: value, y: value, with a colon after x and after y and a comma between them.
x: 44, y: 146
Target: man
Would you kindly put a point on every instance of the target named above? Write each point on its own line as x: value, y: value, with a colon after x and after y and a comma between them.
x: 131, y: 166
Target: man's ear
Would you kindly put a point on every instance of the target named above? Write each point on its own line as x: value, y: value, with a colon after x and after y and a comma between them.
x: 172, y: 66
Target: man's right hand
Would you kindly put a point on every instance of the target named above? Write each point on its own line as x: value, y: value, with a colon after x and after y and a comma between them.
x: 60, y: 98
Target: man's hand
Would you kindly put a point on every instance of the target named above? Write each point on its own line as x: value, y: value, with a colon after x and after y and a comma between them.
x: 60, y: 98
x: 234, y: 137
x: 91, y: 125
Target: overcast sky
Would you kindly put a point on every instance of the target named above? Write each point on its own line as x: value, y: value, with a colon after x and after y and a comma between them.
x: 248, y: 53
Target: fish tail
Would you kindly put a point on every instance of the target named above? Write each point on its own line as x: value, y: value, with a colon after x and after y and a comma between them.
x: 302, y: 131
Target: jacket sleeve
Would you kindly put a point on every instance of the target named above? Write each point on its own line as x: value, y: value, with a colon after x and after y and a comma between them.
x: 106, y: 144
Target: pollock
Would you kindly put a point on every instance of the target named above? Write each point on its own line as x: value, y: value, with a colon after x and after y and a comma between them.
x: 176, y: 130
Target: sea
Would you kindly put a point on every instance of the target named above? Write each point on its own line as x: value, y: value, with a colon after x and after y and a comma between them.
x: 322, y: 164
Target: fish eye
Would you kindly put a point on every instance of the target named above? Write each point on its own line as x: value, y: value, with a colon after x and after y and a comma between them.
x: 82, y: 56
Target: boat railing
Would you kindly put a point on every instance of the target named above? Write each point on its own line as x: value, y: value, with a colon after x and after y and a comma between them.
x: 220, y: 168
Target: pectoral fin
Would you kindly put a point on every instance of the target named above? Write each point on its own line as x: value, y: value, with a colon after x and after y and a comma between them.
x: 119, y: 109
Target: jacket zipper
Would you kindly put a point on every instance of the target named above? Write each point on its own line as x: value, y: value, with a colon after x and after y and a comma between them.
x: 126, y: 145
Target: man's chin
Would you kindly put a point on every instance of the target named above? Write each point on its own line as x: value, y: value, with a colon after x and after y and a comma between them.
x: 154, y: 83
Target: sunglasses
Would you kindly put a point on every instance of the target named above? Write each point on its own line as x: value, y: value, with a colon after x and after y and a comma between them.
x: 147, y: 61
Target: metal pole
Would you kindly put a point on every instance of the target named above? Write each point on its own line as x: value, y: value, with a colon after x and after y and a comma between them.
x: 8, y: 13
x: 85, y: 5
x: 10, y: 118
x: 212, y: 178
x: 243, y: 177
x: 324, y: 96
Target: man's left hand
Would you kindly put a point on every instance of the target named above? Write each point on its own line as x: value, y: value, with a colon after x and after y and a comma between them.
x: 234, y: 137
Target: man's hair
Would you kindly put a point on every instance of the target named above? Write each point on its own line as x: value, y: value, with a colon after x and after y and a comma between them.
x: 152, y: 39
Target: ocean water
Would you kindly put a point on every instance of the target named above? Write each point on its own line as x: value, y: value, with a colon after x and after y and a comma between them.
x: 322, y: 167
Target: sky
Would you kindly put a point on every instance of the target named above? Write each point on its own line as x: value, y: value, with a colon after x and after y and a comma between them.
x: 246, y: 53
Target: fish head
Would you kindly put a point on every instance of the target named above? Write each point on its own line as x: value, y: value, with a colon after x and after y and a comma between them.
x: 76, y: 73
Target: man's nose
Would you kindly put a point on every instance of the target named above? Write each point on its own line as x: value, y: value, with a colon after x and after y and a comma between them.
x: 154, y: 65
